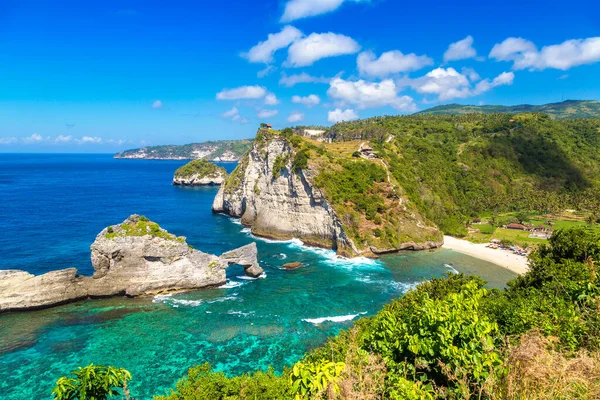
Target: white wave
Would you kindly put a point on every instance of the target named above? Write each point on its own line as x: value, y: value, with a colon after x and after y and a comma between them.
x: 281, y: 256
x: 395, y: 285
x: 230, y: 312
x: 249, y: 278
x: 231, y: 284
x: 175, y: 303
x: 333, y: 258
x: 341, y: 318
x: 451, y: 268
x: 236, y: 221
x: 222, y: 299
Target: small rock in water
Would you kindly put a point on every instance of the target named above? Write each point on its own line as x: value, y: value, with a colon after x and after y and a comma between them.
x: 292, y: 265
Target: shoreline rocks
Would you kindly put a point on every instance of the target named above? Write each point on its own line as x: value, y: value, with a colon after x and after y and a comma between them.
x: 292, y: 265
x: 132, y: 259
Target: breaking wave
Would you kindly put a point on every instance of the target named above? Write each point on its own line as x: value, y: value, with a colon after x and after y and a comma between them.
x: 341, y: 318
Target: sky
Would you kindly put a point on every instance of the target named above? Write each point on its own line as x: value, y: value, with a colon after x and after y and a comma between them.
x: 83, y: 76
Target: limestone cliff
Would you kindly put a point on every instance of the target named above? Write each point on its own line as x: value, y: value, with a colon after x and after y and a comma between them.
x: 279, y: 190
x: 280, y: 203
x: 134, y: 258
x: 199, y: 173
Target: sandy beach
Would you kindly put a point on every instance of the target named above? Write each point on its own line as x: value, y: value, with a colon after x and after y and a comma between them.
x: 503, y: 258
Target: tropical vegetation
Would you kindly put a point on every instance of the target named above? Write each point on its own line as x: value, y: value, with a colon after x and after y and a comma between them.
x: 451, y: 338
x: 200, y: 168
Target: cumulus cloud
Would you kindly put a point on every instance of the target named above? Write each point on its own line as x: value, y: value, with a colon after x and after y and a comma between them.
x: 461, y: 50
x: 8, y: 140
x: 447, y: 84
x: 263, y: 52
x: 242, y: 93
x: 90, y: 140
x: 295, y: 116
x: 267, y: 113
x: 63, y: 139
x: 391, y: 62
x: 271, y: 99
x: 35, y: 138
x: 306, y: 51
x: 364, y: 94
x: 297, y: 9
x: 234, y: 114
x: 525, y: 55
x: 293, y: 80
x: 309, y: 101
x: 157, y: 104
x: 338, y: 115
x: 269, y: 69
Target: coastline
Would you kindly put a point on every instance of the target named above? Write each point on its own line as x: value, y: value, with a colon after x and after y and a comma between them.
x: 503, y: 258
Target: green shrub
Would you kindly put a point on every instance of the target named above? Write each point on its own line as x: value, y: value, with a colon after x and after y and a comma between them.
x: 94, y: 382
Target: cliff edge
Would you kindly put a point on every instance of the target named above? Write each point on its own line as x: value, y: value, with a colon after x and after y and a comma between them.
x: 288, y: 186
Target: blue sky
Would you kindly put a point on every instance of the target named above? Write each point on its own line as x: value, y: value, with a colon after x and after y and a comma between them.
x: 80, y: 76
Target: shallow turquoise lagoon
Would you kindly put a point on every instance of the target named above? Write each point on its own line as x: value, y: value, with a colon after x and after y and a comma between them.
x: 245, y: 325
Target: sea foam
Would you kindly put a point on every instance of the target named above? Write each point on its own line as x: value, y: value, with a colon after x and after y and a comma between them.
x: 341, y: 318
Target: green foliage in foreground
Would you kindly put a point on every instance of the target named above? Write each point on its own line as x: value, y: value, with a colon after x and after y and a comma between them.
x: 450, y: 338
x: 201, y: 168
x: 94, y: 382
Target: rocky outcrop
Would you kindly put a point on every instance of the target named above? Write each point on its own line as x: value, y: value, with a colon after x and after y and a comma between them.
x: 199, y: 173
x: 134, y: 258
x: 279, y: 200
x: 279, y: 203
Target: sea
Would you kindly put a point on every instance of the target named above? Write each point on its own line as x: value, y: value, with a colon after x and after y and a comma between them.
x: 52, y: 206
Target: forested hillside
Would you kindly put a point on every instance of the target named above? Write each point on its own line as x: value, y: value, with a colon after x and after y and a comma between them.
x: 563, y: 110
x: 218, y: 150
x: 455, y: 167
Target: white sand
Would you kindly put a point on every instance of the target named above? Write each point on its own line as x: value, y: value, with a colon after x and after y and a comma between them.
x: 503, y: 258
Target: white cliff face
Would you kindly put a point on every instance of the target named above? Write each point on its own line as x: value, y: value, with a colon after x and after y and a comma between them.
x: 199, y: 180
x: 126, y: 265
x: 280, y: 204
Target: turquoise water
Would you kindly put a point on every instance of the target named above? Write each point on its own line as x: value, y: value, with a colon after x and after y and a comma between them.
x: 245, y: 325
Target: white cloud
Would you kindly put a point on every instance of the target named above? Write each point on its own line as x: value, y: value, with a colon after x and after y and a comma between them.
x: 234, y: 114
x: 8, y: 140
x: 117, y: 142
x: 306, y: 51
x: 271, y: 99
x: 297, y: 9
x: 449, y: 84
x: 90, y: 140
x: 63, y: 139
x: 338, y: 115
x: 525, y: 55
x: 471, y: 74
x: 295, y: 116
x: 391, y: 62
x: 293, y: 80
x: 242, y: 93
x: 461, y: 50
x: 263, y: 52
x: 269, y: 69
x: 309, y: 101
x: 35, y: 138
x: 157, y: 104
x: 369, y: 94
x: 267, y: 113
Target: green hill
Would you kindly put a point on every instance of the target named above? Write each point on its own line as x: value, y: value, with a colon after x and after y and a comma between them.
x: 456, y: 167
x: 218, y: 150
x: 563, y: 110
